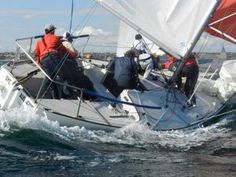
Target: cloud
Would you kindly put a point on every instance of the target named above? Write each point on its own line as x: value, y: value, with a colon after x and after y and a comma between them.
x: 99, y: 40
x: 93, y: 31
x: 28, y: 16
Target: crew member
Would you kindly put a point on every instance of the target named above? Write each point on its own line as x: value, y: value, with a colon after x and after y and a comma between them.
x: 50, y: 52
x: 74, y: 73
x: 144, y: 57
x: 190, y: 70
x: 121, y: 74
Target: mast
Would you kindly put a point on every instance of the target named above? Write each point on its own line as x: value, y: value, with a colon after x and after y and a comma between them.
x: 71, y: 15
x: 179, y: 69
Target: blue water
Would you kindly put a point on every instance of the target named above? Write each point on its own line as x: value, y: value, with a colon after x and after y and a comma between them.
x: 31, y: 145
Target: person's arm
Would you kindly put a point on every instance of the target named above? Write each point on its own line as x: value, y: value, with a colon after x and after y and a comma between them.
x: 111, y: 66
x: 37, y: 53
x: 144, y: 48
x: 169, y: 62
x: 63, y: 50
x: 135, y: 71
x: 69, y: 46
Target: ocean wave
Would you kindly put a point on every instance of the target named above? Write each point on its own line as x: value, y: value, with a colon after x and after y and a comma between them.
x: 137, y: 135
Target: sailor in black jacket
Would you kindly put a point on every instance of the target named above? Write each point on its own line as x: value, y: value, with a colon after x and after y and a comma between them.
x: 122, y: 74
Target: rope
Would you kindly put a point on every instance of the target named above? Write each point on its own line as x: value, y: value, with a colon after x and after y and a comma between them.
x: 56, y: 70
x: 86, y: 18
x: 118, y: 101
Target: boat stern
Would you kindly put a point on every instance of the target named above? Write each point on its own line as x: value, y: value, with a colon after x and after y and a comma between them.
x: 12, y: 94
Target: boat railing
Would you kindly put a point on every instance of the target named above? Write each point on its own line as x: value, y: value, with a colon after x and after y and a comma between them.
x: 196, y: 88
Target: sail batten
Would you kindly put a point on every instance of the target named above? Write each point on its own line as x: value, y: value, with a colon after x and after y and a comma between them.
x: 223, y: 22
x: 174, y: 25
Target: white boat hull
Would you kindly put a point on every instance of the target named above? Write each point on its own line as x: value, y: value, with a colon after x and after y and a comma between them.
x: 160, y: 108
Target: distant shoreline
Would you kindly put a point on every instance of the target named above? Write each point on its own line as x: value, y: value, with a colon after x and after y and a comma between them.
x: 7, y: 55
x: 229, y: 55
x: 12, y: 55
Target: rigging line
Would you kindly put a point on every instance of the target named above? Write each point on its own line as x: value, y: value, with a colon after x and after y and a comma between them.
x: 204, y: 44
x: 222, y: 19
x: 224, y: 34
x: 86, y: 18
x: 222, y: 114
x: 60, y: 64
x: 71, y: 14
x: 195, y: 90
x: 93, y: 107
x: 225, y: 17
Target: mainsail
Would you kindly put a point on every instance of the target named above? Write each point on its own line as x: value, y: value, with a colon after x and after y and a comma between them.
x: 223, y: 22
x: 174, y: 25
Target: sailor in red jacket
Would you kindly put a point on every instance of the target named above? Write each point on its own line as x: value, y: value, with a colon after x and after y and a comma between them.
x: 190, y: 71
x: 50, y: 52
x: 169, y: 62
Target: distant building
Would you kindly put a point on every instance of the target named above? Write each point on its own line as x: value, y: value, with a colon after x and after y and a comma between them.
x: 223, y: 54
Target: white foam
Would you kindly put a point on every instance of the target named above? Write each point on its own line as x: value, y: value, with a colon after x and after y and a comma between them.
x: 134, y: 134
x: 28, y: 119
x: 140, y: 135
x: 63, y: 157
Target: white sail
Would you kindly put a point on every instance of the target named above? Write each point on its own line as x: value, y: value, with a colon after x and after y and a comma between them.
x: 174, y: 25
x: 126, y: 38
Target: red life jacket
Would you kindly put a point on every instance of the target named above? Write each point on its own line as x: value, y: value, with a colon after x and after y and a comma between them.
x: 170, y: 60
x: 51, y: 43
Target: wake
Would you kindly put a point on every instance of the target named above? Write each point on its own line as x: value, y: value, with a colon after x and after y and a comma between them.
x: 136, y: 134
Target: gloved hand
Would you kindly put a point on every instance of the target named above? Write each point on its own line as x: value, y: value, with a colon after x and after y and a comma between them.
x: 172, y: 67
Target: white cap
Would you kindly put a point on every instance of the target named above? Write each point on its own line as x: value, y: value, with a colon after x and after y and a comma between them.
x: 66, y: 35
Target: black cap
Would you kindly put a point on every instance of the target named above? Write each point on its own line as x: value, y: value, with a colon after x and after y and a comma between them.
x: 138, y: 36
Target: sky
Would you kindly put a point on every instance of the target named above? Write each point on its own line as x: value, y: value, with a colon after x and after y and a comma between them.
x: 25, y: 18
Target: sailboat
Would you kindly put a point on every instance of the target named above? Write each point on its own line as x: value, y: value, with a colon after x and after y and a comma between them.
x: 175, y: 26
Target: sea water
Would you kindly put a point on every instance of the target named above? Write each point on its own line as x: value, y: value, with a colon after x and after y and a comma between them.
x: 32, y: 145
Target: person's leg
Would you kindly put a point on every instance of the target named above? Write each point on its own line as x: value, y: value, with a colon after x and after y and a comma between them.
x: 179, y: 82
x: 76, y: 77
x: 50, y: 67
x: 191, y: 79
x: 67, y: 75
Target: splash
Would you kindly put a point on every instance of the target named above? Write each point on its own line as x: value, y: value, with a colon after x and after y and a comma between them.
x: 135, y: 134
x: 141, y: 136
x: 23, y: 118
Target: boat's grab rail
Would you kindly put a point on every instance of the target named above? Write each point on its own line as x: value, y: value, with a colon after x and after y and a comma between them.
x: 38, y: 66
